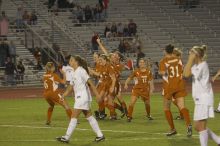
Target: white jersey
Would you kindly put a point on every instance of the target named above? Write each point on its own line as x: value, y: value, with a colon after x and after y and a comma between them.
x: 201, y: 88
x: 80, y: 86
x: 68, y: 70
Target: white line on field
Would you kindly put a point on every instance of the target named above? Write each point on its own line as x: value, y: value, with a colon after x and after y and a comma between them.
x: 80, y: 129
x: 117, y: 139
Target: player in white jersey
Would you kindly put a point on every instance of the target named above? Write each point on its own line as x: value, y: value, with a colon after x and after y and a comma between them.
x: 213, y: 79
x: 81, y: 85
x: 202, y: 93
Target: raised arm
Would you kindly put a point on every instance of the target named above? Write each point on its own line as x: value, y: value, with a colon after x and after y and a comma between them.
x: 105, y: 51
x: 216, y: 76
x: 187, y: 70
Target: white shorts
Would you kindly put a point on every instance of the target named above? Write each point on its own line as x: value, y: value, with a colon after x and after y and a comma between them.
x: 83, y: 101
x: 202, y: 112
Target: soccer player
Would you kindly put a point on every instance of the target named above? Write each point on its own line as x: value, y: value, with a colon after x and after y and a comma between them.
x: 171, y: 68
x: 142, y: 88
x: 213, y: 80
x: 51, y: 92
x: 81, y: 85
x: 67, y: 69
x: 202, y: 93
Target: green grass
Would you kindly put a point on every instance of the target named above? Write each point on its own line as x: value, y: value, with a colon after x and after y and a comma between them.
x: 22, y: 123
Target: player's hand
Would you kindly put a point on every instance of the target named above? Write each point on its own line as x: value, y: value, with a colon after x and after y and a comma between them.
x: 126, y: 87
x: 213, y: 79
x: 61, y: 99
x: 98, y: 40
x: 192, y: 55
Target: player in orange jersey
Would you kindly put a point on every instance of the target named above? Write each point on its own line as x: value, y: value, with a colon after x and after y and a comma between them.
x: 51, y: 92
x: 105, y: 86
x: 171, y: 68
x: 142, y: 88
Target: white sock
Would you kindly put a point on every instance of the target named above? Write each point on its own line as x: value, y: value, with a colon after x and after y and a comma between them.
x: 203, y: 136
x: 71, y: 127
x: 218, y: 106
x: 95, y: 126
x: 214, y: 136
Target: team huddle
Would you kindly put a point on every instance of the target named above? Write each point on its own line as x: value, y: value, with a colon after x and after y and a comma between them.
x: 107, y: 72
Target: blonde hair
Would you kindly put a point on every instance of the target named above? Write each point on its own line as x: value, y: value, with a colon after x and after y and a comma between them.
x: 201, y: 51
x: 49, y: 67
x: 178, y: 52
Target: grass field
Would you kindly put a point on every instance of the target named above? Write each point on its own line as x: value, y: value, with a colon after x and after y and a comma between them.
x: 22, y: 123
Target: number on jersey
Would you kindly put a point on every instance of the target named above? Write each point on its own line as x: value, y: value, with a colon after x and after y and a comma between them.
x: 174, y: 71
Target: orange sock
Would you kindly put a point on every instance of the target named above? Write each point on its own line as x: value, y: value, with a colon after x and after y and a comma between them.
x: 123, y: 104
x: 49, y: 114
x: 130, y: 111
x: 169, y: 118
x: 147, y: 108
x: 111, y: 109
x: 69, y: 113
x: 117, y: 106
x: 101, y: 106
x: 186, y: 116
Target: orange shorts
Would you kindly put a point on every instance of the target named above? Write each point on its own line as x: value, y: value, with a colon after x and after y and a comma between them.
x: 143, y: 93
x: 53, y: 97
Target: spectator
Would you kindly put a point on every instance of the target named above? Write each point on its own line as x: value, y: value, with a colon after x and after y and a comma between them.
x: 136, y: 43
x: 114, y: 30
x: 120, y: 30
x: 105, y: 8
x: 126, y: 31
x: 4, y: 53
x: 101, y: 4
x: 107, y: 32
x: 26, y: 18
x: 4, y: 23
x: 88, y: 14
x: 94, y: 42
x: 19, y: 20
x: 127, y: 47
x: 132, y: 28
x: 9, y: 72
x: 33, y: 18
x: 37, y: 55
x: 121, y: 47
x: 12, y: 52
x: 156, y: 70
x: 140, y: 55
x: 79, y: 14
x: 98, y: 12
x: 20, y: 72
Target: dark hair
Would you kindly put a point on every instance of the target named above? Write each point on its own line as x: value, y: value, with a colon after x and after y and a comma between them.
x: 105, y: 57
x: 81, y: 62
x: 169, y: 49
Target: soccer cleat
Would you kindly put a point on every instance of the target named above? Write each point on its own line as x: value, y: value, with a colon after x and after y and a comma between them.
x: 171, y: 133
x: 129, y: 119
x: 217, y: 111
x: 96, y: 114
x: 98, y: 139
x: 150, y: 118
x: 48, y: 123
x: 179, y: 118
x: 102, y: 116
x: 62, y: 139
x: 189, y: 131
x: 113, y: 118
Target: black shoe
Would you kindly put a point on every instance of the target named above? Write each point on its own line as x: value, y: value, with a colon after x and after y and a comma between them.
x: 129, y: 119
x: 102, y: 116
x: 171, y: 133
x: 62, y: 139
x: 189, y: 131
x: 98, y: 139
x: 96, y: 114
x: 48, y: 123
x: 179, y: 118
x: 217, y: 111
x: 150, y: 118
x: 124, y: 112
x: 113, y: 118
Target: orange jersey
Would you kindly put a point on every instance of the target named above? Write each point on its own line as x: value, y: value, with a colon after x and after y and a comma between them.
x: 105, y: 72
x: 51, y: 81
x: 173, y: 67
x: 117, y: 70
x: 98, y: 67
x: 141, y: 78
